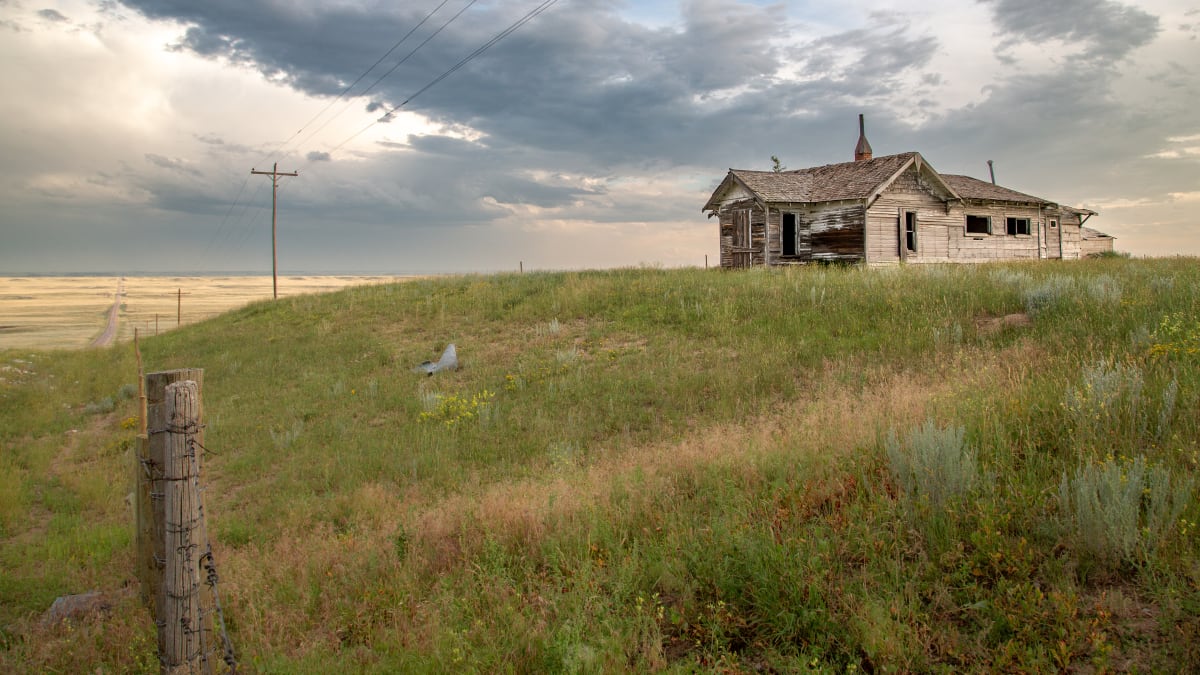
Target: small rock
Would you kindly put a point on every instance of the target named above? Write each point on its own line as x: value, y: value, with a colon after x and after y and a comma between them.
x: 76, y: 607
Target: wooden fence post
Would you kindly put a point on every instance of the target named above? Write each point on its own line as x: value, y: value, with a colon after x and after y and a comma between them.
x: 184, y: 628
x: 150, y: 463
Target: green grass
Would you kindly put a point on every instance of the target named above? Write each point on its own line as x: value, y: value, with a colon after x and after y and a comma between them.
x: 821, y: 469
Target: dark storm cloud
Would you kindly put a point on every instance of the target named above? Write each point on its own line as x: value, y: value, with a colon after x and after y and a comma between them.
x: 580, y: 90
x: 577, y: 78
x: 1109, y: 29
x: 316, y: 156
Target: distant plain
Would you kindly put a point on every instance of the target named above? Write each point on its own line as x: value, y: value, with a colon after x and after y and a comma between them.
x: 69, y: 312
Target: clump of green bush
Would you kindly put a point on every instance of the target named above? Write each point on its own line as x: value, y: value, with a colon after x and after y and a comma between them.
x: 1122, y: 510
x: 1048, y: 294
x: 935, y: 465
x: 101, y: 407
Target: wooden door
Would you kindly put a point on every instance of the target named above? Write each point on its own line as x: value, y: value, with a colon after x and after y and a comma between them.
x: 741, y: 238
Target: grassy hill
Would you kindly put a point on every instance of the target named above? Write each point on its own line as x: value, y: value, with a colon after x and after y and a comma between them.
x: 827, y: 469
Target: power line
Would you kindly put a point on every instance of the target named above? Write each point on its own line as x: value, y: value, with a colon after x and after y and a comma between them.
x: 217, y: 235
x: 513, y: 27
x: 547, y: 4
x: 368, y: 70
x: 487, y: 45
x: 275, y: 174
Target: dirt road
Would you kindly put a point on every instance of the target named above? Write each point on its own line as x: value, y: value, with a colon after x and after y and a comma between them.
x: 114, y: 312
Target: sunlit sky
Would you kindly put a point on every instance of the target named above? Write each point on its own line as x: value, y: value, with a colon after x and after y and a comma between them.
x: 589, y: 137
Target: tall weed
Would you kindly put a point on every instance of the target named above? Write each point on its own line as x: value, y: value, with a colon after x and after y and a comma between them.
x: 1122, y: 510
x: 1047, y: 295
x: 1110, y: 408
x: 935, y: 465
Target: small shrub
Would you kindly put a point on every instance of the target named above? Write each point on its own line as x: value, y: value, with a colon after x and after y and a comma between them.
x: 1166, y: 411
x: 1104, y: 289
x: 1176, y: 335
x: 454, y: 409
x: 283, y: 439
x: 1005, y: 276
x: 127, y: 391
x: 1108, y: 394
x: 1048, y: 294
x: 1120, y: 511
x: 937, y: 464
x: 565, y: 455
x: 101, y: 407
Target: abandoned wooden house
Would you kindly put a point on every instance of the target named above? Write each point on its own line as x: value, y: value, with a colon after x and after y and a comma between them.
x: 890, y: 209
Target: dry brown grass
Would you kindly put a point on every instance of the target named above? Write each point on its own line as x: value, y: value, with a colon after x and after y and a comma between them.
x: 334, y: 608
x: 835, y: 421
x: 330, y: 602
x: 67, y: 312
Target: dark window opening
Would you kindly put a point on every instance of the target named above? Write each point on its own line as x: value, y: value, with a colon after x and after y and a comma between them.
x: 910, y: 231
x: 979, y: 225
x: 1015, y: 226
x: 788, y: 234
x: 1053, y: 224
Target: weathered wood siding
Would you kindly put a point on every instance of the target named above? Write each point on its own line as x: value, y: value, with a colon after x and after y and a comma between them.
x: 1051, y: 245
x: 942, y: 228
x: 1089, y: 247
x: 1072, y: 236
x: 835, y: 233
x: 824, y: 232
x: 736, y: 249
x: 847, y: 231
x: 998, y: 245
x: 884, y: 234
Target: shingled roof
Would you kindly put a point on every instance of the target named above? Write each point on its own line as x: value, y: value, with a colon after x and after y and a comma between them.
x: 860, y: 180
x: 832, y: 182
x: 973, y: 188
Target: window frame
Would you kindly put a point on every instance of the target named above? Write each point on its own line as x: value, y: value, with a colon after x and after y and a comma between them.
x: 784, y: 240
x: 1012, y: 226
x: 967, y: 224
x: 910, y: 234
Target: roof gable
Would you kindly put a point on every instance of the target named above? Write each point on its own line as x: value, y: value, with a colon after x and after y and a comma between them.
x: 832, y: 182
x: 859, y: 180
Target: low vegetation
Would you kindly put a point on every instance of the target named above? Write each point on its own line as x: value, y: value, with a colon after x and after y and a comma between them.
x: 811, y: 470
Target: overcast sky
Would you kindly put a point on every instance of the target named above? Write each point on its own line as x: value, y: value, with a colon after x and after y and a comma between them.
x: 589, y: 137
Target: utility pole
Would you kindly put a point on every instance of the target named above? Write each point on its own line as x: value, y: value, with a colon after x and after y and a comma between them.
x: 274, y: 174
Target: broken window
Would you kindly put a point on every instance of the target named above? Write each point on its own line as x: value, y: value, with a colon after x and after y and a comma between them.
x: 910, y: 231
x: 979, y: 224
x: 1015, y: 226
x: 788, y: 234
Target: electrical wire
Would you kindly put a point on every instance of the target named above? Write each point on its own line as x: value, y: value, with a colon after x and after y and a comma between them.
x: 217, y: 235
x: 377, y: 80
x: 390, y: 113
x: 529, y: 16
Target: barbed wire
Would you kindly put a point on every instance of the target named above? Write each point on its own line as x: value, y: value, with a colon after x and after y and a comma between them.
x: 206, y: 649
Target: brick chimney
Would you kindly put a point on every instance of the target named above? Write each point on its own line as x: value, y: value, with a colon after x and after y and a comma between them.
x: 863, y: 149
